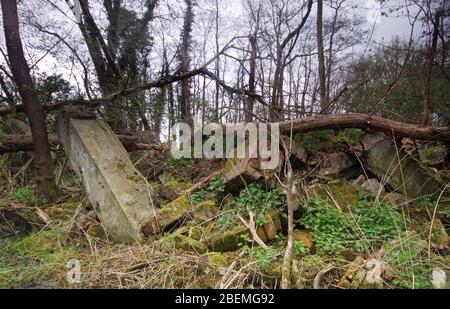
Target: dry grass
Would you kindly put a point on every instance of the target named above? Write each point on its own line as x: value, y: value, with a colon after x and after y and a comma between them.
x: 156, y: 266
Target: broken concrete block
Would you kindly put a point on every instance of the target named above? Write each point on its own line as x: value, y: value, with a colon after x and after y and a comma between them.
x: 359, y: 180
x: 304, y: 237
x: 116, y: 189
x: 400, y: 171
x: 362, y: 274
x: 328, y: 174
x: 299, y: 155
x: 374, y: 272
x: 261, y: 233
x: 216, y: 259
x: 205, y: 211
x: 229, y: 240
x: 174, y: 183
x: 239, y: 172
x: 187, y: 243
x: 169, y: 214
x: 373, y: 185
x: 339, y: 161
x: 271, y: 226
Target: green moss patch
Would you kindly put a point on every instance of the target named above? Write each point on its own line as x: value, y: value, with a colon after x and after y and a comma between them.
x: 31, y: 260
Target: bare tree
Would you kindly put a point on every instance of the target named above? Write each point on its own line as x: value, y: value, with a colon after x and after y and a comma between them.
x: 184, y: 55
x: 45, y: 178
x: 282, y: 58
x: 425, y: 117
x: 321, y: 58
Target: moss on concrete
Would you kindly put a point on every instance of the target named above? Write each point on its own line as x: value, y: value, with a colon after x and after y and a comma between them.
x: 343, y: 192
x: 187, y: 243
x: 223, y: 241
x: 205, y: 210
x: 169, y: 214
x: 216, y: 258
x: 176, y: 183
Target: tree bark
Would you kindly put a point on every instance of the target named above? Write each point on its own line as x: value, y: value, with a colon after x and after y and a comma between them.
x: 367, y: 121
x: 425, y: 117
x: 185, y: 62
x: 320, y: 53
x: 45, y: 179
x: 251, y: 79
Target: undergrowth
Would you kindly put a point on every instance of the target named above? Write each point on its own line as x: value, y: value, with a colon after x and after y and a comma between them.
x: 366, y: 227
x: 29, y: 260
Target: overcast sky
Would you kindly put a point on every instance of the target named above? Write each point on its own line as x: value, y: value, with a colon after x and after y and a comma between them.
x: 384, y: 28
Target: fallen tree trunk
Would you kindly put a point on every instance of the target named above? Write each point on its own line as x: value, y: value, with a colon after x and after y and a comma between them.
x: 365, y: 121
x: 49, y: 106
x: 15, y: 143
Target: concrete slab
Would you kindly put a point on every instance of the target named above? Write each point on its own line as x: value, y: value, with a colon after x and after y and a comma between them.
x: 116, y: 189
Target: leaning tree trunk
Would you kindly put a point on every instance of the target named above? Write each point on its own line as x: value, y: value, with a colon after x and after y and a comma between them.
x: 45, y: 179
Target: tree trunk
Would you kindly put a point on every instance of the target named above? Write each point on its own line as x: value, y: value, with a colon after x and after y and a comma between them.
x: 16, y: 143
x: 425, y: 117
x: 185, y: 61
x: 277, y: 80
x: 366, y: 121
x: 217, y: 63
x: 322, y: 86
x: 45, y: 179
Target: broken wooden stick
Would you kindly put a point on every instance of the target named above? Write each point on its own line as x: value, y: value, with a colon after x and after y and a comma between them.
x: 203, y: 183
x: 251, y: 226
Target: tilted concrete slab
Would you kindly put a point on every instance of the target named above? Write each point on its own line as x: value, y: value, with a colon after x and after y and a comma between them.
x: 116, y: 189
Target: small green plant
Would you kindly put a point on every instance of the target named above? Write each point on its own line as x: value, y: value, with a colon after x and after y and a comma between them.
x: 427, y: 203
x: 169, y: 239
x: 173, y: 260
x: 375, y: 224
x: 217, y: 186
x: 254, y: 198
x: 22, y: 195
x: 300, y: 250
x: 329, y: 226
x: 243, y: 244
x: 350, y: 136
x: 280, y: 240
x: 311, y: 140
x: 409, y: 264
x: 172, y: 162
x: 261, y: 220
x: 197, y: 197
x: 263, y: 258
x: 429, y: 154
x: 368, y: 225
x: 225, y: 221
